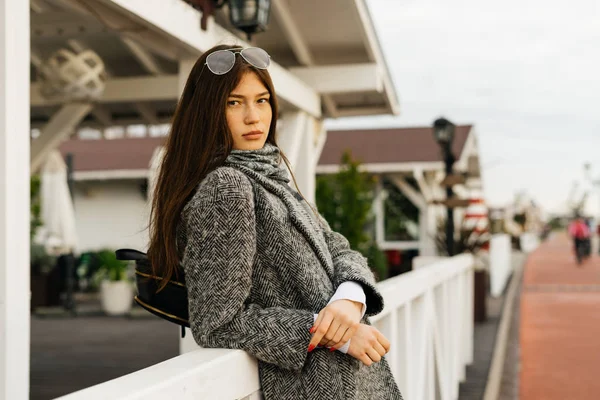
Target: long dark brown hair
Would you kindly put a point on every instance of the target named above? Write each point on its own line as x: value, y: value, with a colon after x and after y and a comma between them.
x: 199, y: 142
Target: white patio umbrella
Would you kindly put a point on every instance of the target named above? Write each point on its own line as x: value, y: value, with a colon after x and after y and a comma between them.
x: 57, y: 211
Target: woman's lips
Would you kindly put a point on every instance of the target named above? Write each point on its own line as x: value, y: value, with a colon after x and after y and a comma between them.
x: 253, y: 135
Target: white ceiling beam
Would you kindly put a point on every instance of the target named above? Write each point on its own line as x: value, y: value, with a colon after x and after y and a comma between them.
x: 290, y: 29
x: 102, y: 175
x: 362, y: 111
x: 125, y: 90
x: 77, y: 45
x: 55, y: 18
x: 147, y: 112
x: 61, y: 31
x: 179, y: 24
x: 37, y: 6
x: 384, y: 168
x: 424, y: 186
x: 373, y: 48
x: 60, y: 126
x: 112, y: 20
x: 146, y: 59
x: 36, y: 59
x: 120, y: 122
x: 411, y: 193
x: 63, y: 24
x: 341, y: 78
x: 288, y: 25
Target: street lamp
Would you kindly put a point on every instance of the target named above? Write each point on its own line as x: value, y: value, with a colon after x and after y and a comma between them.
x: 443, y: 132
x: 250, y: 16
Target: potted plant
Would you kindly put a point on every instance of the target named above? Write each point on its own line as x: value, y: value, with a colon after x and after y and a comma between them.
x: 116, y: 288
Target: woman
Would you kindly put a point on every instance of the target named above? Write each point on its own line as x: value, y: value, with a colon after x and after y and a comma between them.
x: 264, y: 272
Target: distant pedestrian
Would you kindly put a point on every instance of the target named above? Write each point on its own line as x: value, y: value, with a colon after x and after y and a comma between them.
x: 580, y: 233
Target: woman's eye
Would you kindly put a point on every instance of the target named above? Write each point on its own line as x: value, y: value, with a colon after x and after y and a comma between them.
x: 262, y: 101
x: 233, y: 102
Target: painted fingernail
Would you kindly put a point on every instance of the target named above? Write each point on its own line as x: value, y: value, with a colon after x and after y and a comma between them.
x: 313, y: 329
x: 332, y: 349
x: 311, y: 348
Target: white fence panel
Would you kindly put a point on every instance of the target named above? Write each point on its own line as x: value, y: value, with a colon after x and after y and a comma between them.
x: 529, y: 242
x: 428, y: 318
x: 500, y: 263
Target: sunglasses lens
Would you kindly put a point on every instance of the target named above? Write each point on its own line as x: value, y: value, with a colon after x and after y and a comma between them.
x: 257, y: 57
x: 220, y: 62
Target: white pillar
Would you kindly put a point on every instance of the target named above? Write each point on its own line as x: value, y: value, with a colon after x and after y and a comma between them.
x: 305, y: 168
x: 185, y: 67
x: 301, y: 138
x: 426, y: 235
x: 14, y: 200
x: 419, y: 199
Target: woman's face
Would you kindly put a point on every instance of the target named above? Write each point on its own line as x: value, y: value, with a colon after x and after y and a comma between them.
x: 249, y: 113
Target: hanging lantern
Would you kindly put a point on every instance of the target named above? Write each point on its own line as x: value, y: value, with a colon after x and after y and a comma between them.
x: 250, y: 16
x: 71, y: 76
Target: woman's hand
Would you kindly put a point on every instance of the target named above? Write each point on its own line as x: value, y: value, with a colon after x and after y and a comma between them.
x: 368, y: 345
x: 336, y: 324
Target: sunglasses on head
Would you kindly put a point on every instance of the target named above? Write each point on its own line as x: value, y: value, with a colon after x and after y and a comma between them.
x: 221, y: 62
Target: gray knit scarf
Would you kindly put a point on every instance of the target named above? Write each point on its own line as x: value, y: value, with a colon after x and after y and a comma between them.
x: 266, y: 161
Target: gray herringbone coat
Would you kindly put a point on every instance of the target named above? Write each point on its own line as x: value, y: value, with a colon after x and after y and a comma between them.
x: 258, y: 265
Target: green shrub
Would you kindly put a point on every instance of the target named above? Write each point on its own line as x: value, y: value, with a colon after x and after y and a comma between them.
x: 345, y: 200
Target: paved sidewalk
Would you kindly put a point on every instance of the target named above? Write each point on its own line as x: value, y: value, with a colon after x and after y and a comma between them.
x: 560, y: 325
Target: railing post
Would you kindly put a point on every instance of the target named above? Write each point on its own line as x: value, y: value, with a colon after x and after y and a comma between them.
x: 405, y: 377
x: 469, y: 315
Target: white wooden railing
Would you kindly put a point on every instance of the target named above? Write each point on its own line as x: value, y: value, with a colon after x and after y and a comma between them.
x: 529, y: 242
x: 428, y: 319
x: 500, y: 263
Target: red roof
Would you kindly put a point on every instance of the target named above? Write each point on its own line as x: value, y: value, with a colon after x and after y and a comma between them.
x: 397, y: 145
x: 114, y: 154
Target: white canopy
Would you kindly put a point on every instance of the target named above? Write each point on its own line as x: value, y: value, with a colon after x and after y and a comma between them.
x: 58, y: 233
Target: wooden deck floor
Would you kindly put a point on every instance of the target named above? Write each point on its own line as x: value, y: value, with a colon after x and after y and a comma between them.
x: 69, y: 354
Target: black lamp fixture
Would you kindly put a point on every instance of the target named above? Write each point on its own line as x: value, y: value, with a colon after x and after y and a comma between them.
x: 249, y: 16
x: 443, y: 132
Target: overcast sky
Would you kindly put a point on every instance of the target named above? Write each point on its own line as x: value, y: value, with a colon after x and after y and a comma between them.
x: 525, y: 73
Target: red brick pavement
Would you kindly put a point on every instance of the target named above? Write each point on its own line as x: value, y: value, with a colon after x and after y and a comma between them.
x: 560, y: 325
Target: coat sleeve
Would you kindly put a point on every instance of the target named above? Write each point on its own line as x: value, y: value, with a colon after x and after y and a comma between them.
x: 218, y: 260
x: 350, y: 265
